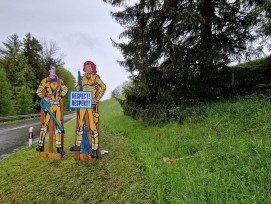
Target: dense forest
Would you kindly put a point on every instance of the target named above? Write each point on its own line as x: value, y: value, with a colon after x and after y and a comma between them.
x: 180, y: 51
x: 23, y: 64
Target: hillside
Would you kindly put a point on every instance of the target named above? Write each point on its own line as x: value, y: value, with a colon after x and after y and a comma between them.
x: 226, y: 148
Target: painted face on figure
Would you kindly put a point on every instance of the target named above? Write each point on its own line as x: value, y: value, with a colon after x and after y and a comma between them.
x: 52, y: 71
x: 88, y: 68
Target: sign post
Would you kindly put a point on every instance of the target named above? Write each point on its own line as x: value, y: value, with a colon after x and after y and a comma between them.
x: 78, y: 100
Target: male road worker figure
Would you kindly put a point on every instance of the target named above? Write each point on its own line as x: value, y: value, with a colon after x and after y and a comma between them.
x: 90, y: 82
x: 51, y: 89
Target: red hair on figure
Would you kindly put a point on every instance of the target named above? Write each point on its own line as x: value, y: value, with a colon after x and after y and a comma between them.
x: 93, y: 66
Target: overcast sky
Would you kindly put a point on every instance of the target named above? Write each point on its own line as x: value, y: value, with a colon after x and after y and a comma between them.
x: 81, y: 28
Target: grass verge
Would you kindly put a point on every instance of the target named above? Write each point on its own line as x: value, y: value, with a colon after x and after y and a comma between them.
x: 227, y: 148
x: 115, y: 178
x: 231, y: 144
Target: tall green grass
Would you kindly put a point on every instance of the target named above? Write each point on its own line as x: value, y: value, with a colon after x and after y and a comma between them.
x: 231, y: 144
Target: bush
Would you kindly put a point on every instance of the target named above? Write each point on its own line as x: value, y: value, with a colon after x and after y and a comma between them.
x: 160, y: 99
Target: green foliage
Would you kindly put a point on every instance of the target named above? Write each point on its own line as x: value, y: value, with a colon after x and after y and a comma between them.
x: 32, y: 51
x: 262, y: 16
x: 10, y: 55
x: 26, y: 64
x: 12, y: 46
x: 22, y: 78
x: 24, y: 101
x: 253, y: 76
x: 178, y: 51
x: 24, y: 74
x: 69, y: 81
x: 6, y: 107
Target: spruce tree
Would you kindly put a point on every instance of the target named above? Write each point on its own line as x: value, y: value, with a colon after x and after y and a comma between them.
x: 32, y: 51
x: 262, y: 16
x: 179, y: 50
x: 12, y: 47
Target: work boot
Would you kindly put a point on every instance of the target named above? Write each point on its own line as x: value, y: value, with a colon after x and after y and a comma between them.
x: 60, y: 151
x: 94, y: 154
x: 40, y: 149
x: 75, y: 148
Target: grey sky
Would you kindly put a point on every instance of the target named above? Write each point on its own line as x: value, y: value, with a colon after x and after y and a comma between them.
x: 81, y: 28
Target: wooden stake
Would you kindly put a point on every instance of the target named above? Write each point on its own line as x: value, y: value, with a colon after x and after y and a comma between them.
x: 167, y: 160
x: 62, y: 120
x: 51, y: 136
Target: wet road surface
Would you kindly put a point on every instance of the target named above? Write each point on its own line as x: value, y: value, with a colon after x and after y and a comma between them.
x: 14, y: 136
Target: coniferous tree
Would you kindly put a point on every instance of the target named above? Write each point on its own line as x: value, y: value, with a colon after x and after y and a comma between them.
x: 26, y: 64
x: 12, y: 47
x: 262, y: 16
x: 179, y: 49
x: 32, y: 50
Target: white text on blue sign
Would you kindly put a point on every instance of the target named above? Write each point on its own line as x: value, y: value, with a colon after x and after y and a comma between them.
x: 80, y: 99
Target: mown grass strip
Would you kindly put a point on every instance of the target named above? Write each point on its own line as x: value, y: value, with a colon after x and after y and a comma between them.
x: 115, y: 178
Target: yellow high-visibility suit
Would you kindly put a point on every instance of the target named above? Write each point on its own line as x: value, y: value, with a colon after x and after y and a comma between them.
x: 54, y: 89
x: 90, y: 82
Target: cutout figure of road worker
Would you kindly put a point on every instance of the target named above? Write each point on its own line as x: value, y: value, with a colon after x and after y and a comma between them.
x: 52, y: 90
x: 90, y: 81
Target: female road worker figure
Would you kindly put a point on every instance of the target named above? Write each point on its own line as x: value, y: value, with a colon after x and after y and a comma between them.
x: 51, y: 89
x: 90, y: 82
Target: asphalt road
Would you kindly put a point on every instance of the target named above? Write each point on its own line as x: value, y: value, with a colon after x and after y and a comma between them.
x: 14, y: 136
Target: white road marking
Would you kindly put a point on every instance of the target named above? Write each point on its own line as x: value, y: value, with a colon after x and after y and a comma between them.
x: 15, y: 128
x: 23, y: 126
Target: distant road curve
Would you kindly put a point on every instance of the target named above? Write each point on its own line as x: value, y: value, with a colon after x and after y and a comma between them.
x: 14, y: 136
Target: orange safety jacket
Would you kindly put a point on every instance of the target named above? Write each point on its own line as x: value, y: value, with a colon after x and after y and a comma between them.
x: 46, y: 89
x: 93, y: 83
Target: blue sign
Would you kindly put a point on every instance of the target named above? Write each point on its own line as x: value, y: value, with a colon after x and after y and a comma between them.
x: 81, y: 99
